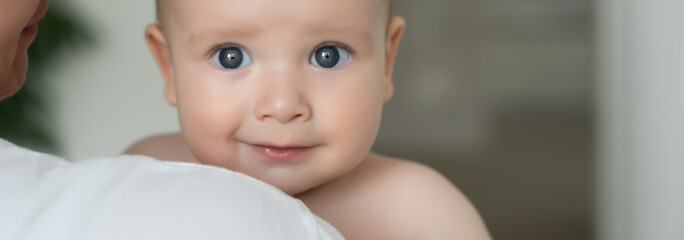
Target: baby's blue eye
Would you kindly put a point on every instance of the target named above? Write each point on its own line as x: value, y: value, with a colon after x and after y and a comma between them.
x: 329, y: 57
x: 232, y: 58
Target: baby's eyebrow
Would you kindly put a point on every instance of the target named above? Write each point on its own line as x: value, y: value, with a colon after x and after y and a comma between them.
x: 208, y: 34
x: 347, y: 30
x: 249, y: 32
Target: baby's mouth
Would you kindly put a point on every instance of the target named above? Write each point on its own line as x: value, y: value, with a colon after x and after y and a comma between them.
x: 288, y: 153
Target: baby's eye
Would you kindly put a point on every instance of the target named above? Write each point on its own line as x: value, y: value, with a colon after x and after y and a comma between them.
x: 232, y: 58
x: 329, y: 57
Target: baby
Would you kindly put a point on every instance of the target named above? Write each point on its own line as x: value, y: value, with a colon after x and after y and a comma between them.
x: 291, y: 92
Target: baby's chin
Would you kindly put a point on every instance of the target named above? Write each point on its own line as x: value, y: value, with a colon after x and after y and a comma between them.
x: 295, y: 188
x: 292, y: 189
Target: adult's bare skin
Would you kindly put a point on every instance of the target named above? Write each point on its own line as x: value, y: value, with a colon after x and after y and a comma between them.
x: 18, y: 28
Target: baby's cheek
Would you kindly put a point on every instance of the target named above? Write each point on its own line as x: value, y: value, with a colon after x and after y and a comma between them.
x: 349, y: 139
x: 353, y: 112
x: 354, y: 125
x: 210, y: 147
x: 208, y: 129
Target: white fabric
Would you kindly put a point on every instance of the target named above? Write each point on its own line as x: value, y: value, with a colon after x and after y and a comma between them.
x: 135, y: 197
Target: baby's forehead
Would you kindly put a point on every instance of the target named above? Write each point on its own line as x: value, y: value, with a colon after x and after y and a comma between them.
x: 211, y: 20
x: 257, y: 10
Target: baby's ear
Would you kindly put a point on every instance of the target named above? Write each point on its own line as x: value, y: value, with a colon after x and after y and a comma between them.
x: 159, y: 47
x: 395, y: 30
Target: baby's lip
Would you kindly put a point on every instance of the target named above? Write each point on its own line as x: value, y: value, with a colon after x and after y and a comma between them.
x: 280, y: 152
x: 281, y: 146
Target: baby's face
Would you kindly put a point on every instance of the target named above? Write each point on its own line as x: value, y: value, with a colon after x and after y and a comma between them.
x: 289, y: 92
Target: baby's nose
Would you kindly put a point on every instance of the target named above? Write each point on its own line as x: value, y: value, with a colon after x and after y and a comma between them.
x: 284, y: 103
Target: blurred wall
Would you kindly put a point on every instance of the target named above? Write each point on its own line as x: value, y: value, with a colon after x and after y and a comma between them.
x: 109, y: 95
x: 641, y: 158
x: 498, y: 96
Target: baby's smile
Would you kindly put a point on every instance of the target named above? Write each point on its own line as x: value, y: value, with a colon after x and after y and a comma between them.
x: 289, y: 153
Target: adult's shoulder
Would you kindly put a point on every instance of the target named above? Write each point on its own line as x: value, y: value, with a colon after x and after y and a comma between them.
x: 137, y: 197
x: 168, y: 147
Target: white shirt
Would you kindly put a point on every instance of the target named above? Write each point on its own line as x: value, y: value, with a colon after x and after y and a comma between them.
x: 136, y: 197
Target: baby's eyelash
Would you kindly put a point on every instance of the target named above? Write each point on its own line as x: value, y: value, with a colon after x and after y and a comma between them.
x: 218, y: 47
x: 335, y: 44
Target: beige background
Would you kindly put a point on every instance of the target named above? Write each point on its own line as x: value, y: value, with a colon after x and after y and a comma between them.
x: 497, y: 95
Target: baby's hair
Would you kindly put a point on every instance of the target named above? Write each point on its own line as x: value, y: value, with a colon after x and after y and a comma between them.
x: 162, y: 9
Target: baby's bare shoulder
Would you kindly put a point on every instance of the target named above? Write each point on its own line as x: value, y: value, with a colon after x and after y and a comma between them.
x: 168, y: 147
x: 420, y: 203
